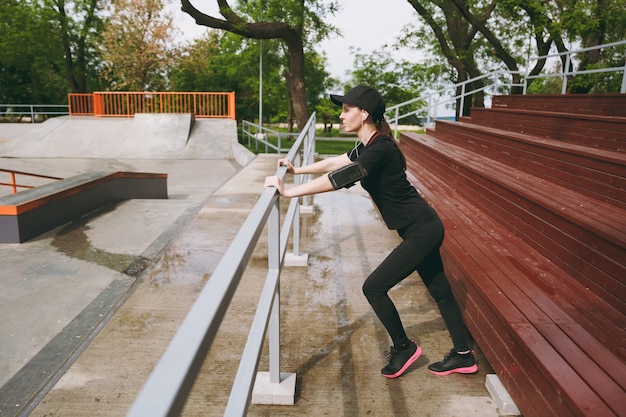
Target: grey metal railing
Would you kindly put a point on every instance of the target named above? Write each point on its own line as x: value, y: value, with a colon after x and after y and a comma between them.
x: 494, y: 83
x: 264, y: 135
x: 167, y: 388
x: 33, y: 111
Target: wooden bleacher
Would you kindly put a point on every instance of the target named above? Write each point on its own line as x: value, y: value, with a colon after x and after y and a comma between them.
x: 533, y: 196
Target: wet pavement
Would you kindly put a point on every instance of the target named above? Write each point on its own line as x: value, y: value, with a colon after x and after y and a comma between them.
x: 81, y: 336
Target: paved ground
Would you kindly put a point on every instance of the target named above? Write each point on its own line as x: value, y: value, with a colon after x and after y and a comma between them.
x: 80, y: 337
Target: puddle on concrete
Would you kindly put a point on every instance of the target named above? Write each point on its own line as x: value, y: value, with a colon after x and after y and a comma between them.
x: 233, y: 200
x: 137, y: 321
x: 73, y: 242
x: 169, y: 264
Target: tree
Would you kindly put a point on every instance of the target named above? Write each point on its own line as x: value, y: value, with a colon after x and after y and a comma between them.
x: 77, y: 26
x: 222, y: 61
x: 47, y: 49
x: 397, y: 81
x: 291, y: 21
x: 456, y: 40
x: 138, y: 45
x: 474, y: 35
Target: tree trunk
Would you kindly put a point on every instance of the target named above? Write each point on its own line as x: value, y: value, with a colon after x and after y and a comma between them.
x: 264, y: 30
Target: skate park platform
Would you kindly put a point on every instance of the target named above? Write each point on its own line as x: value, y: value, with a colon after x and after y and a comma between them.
x: 89, y: 307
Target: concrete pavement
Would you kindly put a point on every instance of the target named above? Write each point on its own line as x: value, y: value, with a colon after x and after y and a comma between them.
x: 83, y: 335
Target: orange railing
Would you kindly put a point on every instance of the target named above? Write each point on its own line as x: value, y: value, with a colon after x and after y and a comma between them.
x: 13, y: 183
x: 80, y: 104
x: 126, y: 104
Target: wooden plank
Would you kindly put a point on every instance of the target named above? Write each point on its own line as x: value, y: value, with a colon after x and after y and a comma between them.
x: 506, y: 355
x: 610, y: 363
x: 492, y: 271
x: 519, y: 364
x: 602, y: 251
x: 607, y: 323
x: 575, y: 392
x: 601, y: 173
x: 592, y: 131
x: 601, y: 104
x: 587, y: 183
x: 602, y: 385
x: 463, y: 250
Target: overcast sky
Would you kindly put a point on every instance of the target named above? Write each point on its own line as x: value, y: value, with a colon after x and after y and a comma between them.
x: 365, y: 24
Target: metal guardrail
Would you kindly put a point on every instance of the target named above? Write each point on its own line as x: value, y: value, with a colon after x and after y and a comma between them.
x: 33, y: 111
x: 127, y: 103
x: 13, y: 182
x: 269, y: 138
x: 168, y: 387
x: 498, y: 82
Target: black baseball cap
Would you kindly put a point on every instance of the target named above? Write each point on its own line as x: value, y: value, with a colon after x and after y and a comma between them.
x: 366, y: 98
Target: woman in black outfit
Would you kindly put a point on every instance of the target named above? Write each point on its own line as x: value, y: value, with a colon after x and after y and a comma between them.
x: 380, y: 166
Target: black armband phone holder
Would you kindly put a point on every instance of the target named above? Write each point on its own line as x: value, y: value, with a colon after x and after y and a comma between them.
x: 346, y: 176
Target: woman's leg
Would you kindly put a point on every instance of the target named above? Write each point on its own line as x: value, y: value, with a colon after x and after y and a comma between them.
x: 419, y: 241
x: 397, y: 266
x: 432, y: 273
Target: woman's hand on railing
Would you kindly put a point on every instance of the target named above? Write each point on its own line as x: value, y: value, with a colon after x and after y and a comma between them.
x: 286, y: 163
x: 274, y: 181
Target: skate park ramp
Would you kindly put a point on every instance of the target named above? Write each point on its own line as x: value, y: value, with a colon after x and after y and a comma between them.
x: 145, y: 136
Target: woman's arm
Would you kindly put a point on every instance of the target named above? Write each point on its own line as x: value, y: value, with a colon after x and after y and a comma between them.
x: 320, y: 184
x: 320, y: 167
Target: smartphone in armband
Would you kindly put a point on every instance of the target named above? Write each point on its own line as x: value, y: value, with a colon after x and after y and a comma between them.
x: 346, y: 176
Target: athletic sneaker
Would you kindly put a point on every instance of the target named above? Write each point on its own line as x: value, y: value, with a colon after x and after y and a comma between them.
x: 454, y: 362
x: 400, y: 360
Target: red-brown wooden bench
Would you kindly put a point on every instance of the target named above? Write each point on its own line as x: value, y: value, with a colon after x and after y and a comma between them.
x: 538, y: 264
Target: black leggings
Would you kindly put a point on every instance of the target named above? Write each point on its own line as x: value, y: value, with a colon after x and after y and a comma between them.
x: 419, y: 251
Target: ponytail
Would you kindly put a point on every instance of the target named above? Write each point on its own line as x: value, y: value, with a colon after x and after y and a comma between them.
x: 383, y: 127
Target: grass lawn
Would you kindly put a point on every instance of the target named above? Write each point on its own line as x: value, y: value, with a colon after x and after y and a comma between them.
x: 331, y: 144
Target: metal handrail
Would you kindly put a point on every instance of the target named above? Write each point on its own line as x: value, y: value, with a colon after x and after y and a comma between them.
x: 251, y: 131
x: 127, y: 103
x: 168, y: 387
x: 14, y: 185
x: 449, y: 96
x: 33, y: 110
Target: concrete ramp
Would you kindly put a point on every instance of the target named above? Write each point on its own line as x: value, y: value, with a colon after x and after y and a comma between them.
x: 72, y: 137
x: 146, y: 136
x: 211, y: 139
x: 160, y: 136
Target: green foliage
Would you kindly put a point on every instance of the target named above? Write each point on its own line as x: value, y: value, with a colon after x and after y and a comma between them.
x: 223, y: 61
x: 138, y: 46
x: 30, y: 57
x: 47, y: 49
x: 396, y: 81
x: 52, y: 47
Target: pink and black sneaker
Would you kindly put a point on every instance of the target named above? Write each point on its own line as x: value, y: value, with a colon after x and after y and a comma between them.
x: 454, y: 362
x: 400, y: 360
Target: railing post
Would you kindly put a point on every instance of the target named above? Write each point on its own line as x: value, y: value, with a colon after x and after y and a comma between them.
x: 302, y: 158
x: 396, y: 122
x: 273, y: 248
x: 496, y: 78
x: 430, y: 104
x: 524, y: 89
x: 565, y: 72
x: 460, y: 112
x: 13, y: 183
x: 231, y: 105
x: 623, y: 89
